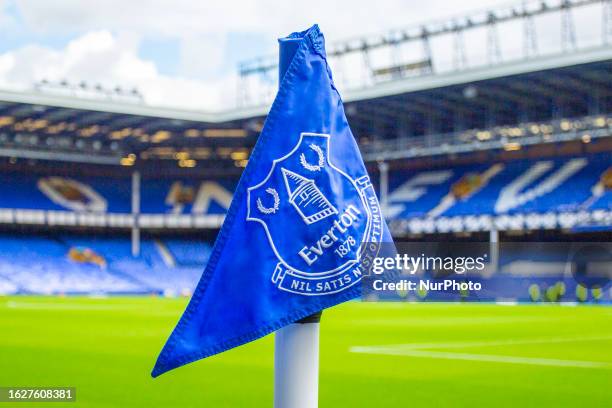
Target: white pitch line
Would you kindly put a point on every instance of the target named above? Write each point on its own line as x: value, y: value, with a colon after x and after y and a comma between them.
x: 416, y: 350
x: 485, y: 357
x: 509, y: 342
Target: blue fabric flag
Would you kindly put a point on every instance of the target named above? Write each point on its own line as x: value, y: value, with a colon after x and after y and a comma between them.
x: 303, y: 225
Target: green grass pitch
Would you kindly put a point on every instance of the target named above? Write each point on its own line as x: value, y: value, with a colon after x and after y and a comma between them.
x: 372, y: 355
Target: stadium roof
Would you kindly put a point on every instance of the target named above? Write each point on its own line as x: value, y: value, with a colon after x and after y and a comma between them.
x: 35, y: 123
x: 383, y: 89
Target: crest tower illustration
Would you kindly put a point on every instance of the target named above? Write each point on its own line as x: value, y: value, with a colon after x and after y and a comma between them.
x: 306, y: 197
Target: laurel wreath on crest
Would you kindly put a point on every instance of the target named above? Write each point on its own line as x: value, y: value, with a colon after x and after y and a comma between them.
x: 313, y: 167
x: 275, y: 206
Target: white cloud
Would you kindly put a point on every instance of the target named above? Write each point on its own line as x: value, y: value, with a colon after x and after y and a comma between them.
x: 202, y: 56
x: 100, y: 57
x: 106, y: 37
x: 201, y: 28
x: 185, y: 18
x: 7, y: 64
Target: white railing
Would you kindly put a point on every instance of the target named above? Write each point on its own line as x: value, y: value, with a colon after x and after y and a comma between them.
x: 502, y: 222
x: 111, y: 220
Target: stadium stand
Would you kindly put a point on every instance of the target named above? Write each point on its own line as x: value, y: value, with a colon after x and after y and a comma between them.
x: 562, y: 184
x: 513, y: 147
x: 566, y: 191
x: 488, y: 188
x: 188, y: 253
x: 48, y: 265
x: 7, y: 287
x: 101, y: 194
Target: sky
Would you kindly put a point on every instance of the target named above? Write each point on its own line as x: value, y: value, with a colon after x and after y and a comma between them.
x: 183, y: 53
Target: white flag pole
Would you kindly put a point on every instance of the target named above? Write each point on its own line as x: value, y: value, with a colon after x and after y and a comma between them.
x: 296, y: 366
x: 296, y: 347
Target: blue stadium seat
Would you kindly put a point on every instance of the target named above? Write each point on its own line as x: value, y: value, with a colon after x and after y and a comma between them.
x: 35, y: 264
x: 567, y: 184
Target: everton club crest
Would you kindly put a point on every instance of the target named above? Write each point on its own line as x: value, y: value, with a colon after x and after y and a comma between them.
x: 322, y: 225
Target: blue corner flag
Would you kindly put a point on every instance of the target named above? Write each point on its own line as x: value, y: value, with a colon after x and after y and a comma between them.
x: 303, y: 225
